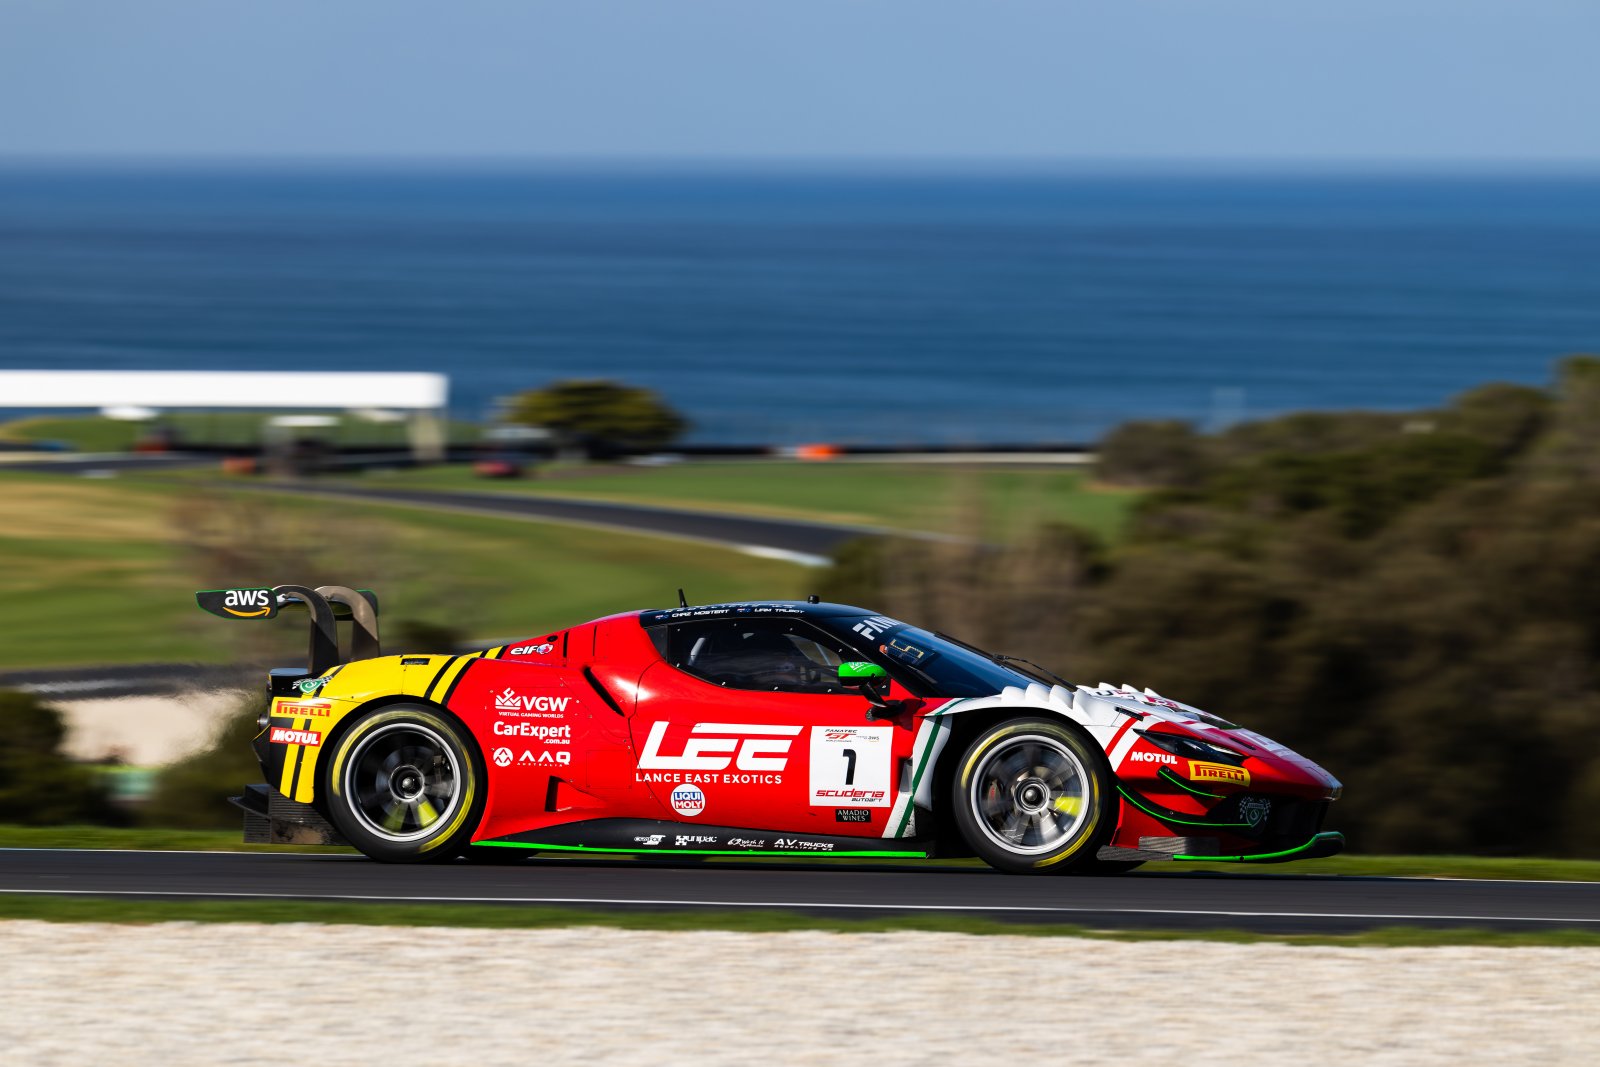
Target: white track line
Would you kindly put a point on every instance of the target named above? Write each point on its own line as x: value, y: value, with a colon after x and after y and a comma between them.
x: 994, y: 908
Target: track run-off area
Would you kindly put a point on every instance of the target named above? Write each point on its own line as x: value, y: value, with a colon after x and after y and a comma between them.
x: 1270, y: 900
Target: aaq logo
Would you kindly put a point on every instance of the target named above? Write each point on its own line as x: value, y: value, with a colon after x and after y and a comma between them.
x: 688, y: 800
x: 502, y: 757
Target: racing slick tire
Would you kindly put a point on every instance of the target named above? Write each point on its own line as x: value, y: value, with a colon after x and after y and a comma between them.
x: 1034, y: 796
x: 405, y: 785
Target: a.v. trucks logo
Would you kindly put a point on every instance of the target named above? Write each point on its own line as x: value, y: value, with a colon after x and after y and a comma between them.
x: 238, y: 603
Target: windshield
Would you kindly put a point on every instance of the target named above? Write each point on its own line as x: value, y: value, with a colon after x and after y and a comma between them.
x: 935, y: 666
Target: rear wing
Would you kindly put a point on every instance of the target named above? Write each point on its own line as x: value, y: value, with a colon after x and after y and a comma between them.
x: 327, y: 605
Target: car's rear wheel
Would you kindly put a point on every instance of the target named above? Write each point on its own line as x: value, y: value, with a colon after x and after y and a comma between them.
x: 405, y: 785
x: 1033, y: 796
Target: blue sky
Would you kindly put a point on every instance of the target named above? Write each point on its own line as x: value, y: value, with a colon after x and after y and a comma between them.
x: 1404, y: 81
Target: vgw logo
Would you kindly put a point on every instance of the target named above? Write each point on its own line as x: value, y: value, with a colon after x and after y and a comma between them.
x: 758, y: 748
x: 510, y: 700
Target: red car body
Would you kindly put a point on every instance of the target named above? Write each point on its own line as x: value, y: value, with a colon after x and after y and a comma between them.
x: 700, y: 730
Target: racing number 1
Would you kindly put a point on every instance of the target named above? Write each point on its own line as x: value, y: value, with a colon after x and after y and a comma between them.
x: 862, y: 778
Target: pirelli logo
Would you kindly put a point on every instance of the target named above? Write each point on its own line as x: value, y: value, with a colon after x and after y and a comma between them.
x: 1217, y: 772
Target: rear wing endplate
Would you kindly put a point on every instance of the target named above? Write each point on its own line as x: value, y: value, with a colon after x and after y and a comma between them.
x: 326, y: 604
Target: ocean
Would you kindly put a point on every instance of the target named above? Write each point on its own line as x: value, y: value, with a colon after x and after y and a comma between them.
x: 852, y: 307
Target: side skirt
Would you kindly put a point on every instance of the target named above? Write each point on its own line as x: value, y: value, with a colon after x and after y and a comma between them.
x: 676, y: 838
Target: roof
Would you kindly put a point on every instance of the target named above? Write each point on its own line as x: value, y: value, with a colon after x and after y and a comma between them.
x: 406, y: 390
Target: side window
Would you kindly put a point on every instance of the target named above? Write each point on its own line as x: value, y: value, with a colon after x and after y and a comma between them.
x: 774, y: 655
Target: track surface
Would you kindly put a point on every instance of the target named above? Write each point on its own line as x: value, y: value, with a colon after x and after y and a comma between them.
x: 1264, y: 902
x: 814, y: 542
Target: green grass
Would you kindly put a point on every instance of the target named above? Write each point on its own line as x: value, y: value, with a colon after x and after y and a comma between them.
x: 103, y: 571
x: 142, y: 839
x: 238, y: 429
x: 933, y: 497
x: 751, y: 920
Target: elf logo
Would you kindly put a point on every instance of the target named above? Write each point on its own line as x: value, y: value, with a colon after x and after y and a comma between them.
x: 510, y: 700
x: 758, y: 748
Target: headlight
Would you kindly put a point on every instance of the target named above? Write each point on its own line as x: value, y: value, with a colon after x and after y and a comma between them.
x: 1192, y: 748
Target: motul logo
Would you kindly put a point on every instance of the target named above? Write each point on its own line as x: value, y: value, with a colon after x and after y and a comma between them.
x: 283, y: 736
x: 514, y: 701
x: 750, y: 748
x: 1152, y: 757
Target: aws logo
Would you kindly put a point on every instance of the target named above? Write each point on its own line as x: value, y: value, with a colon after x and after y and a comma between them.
x: 238, y: 603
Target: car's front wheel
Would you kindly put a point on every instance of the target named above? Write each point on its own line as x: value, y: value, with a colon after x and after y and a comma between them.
x: 404, y: 785
x: 1034, y: 796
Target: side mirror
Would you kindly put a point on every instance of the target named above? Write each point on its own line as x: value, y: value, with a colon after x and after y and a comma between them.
x: 870, y: 679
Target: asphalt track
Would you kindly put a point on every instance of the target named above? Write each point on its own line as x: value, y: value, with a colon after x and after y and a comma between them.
x: 796, y: 539
x: 1266, y: 901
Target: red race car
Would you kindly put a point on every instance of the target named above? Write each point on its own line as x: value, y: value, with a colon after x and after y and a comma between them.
x: 783, y: 728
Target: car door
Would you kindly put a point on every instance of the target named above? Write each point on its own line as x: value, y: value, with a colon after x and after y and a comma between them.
x: 744, y: 724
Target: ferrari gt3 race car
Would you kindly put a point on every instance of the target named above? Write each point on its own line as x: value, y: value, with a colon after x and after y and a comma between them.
x: 784, y: 728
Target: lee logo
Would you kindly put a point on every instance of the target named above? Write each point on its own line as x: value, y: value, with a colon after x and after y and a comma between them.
x: 284, y: 736
x: 749, y: 748
x: 1217, y: 772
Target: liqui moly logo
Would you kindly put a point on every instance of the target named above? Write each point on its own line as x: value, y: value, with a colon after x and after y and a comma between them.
x: 511, y: 700
x: 715, y: 746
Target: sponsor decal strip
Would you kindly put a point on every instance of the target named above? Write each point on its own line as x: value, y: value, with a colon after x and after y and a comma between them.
x: 706, y: 851
x: 291, y: 759
x: 428, y: 693
x: 460, y: 673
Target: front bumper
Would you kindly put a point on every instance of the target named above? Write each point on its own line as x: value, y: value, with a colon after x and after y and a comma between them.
x: 1206, y: 850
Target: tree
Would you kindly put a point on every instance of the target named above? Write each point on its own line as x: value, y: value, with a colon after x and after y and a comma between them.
x: 603, y: 418
x: 38, y: 785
